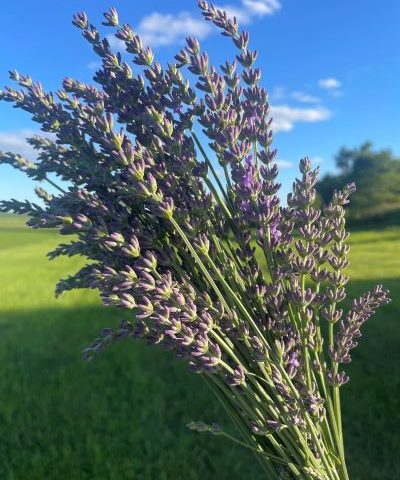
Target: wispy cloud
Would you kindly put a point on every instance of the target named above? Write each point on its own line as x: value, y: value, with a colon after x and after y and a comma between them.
x: 262, y: 7
x: 115, y: 43
x: 284, y: 164
x: 285, y: 116
x: 304, y: 97
x: 329, y: 83
x: 278, y: 93
x: 317, y: 160
x: 251, y: 9
x: 95, y: 64
x: 15, y: 142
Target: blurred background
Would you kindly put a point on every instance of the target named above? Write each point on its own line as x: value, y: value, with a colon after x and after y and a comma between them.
x: 332, y: 74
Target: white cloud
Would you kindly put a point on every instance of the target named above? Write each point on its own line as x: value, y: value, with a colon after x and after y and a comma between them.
x: 304, y: 97
x: 284, y: 164
x: 15, y: 142
x: 285, y: 117
x: 329, y: 83
x: 165, y: 29
x: 261, y: 7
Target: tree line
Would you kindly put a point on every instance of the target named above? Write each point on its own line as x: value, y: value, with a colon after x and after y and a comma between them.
x: 377, y: 176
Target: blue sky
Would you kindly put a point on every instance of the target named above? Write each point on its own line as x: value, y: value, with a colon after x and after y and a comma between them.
x: 331, y: 68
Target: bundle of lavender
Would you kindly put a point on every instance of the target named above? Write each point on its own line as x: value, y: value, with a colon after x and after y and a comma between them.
x: 209, y: 266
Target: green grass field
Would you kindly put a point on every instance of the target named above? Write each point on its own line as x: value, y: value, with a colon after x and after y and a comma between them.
x: 123, y: 415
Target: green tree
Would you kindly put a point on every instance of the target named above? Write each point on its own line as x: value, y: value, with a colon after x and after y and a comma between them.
x: 377, y: 176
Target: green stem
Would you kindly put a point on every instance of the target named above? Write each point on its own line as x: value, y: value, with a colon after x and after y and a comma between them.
x: 330, y: 468
x: 251, y: 412
x: 228, y: 180
x: 338, y: 412
x: 235, y: 298
x: 268, y: 455
x: 238, y: 421
x: 199, y: 263
x: 211, y: 167
x: 54, y: 185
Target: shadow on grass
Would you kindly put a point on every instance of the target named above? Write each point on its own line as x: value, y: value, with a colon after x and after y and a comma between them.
x: 123, y: 415
x: 383, y: 220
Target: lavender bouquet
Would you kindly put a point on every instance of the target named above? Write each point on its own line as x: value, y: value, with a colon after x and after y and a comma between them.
x: 206, y: 264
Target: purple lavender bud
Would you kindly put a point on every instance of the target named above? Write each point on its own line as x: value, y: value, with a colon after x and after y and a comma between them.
x: 148, y: 261
x: 275, y: 235
x: 342, y: 198
x: 125, y: 33
x: 206, y: 322
x: 111, y: 18
x: 305, y: 165
x: 183, y: 58
x: 165, y: 287
x: 174, y: 328
x: 193, y: 45
x: 237, y: 378
x: 80, y: 20
x: 162, y: 315
x: 292, y: 363
x: 338, y: 263
x: 187, y: 336
x: 127, y: 301
x: 335, y: 295
x: 320, y: 275
x: 145, y: 308
x: 338, y: 379
x: 202, y: 243
x: 242, y: 40
x: 252, y: 76
x: 132, y: 249
x: 82, y: 222
x: 212, y: 359
x: 165, y: 208
x: 332, y: 316
x: 146, y: 282
x: 247, y: 58
x: 200, y: 346
x: 115, y: 240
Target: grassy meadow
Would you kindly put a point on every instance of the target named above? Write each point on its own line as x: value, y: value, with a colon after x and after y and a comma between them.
x: 123, y: 415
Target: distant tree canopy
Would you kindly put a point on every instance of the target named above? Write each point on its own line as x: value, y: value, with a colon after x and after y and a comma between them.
x: 377, y: 176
